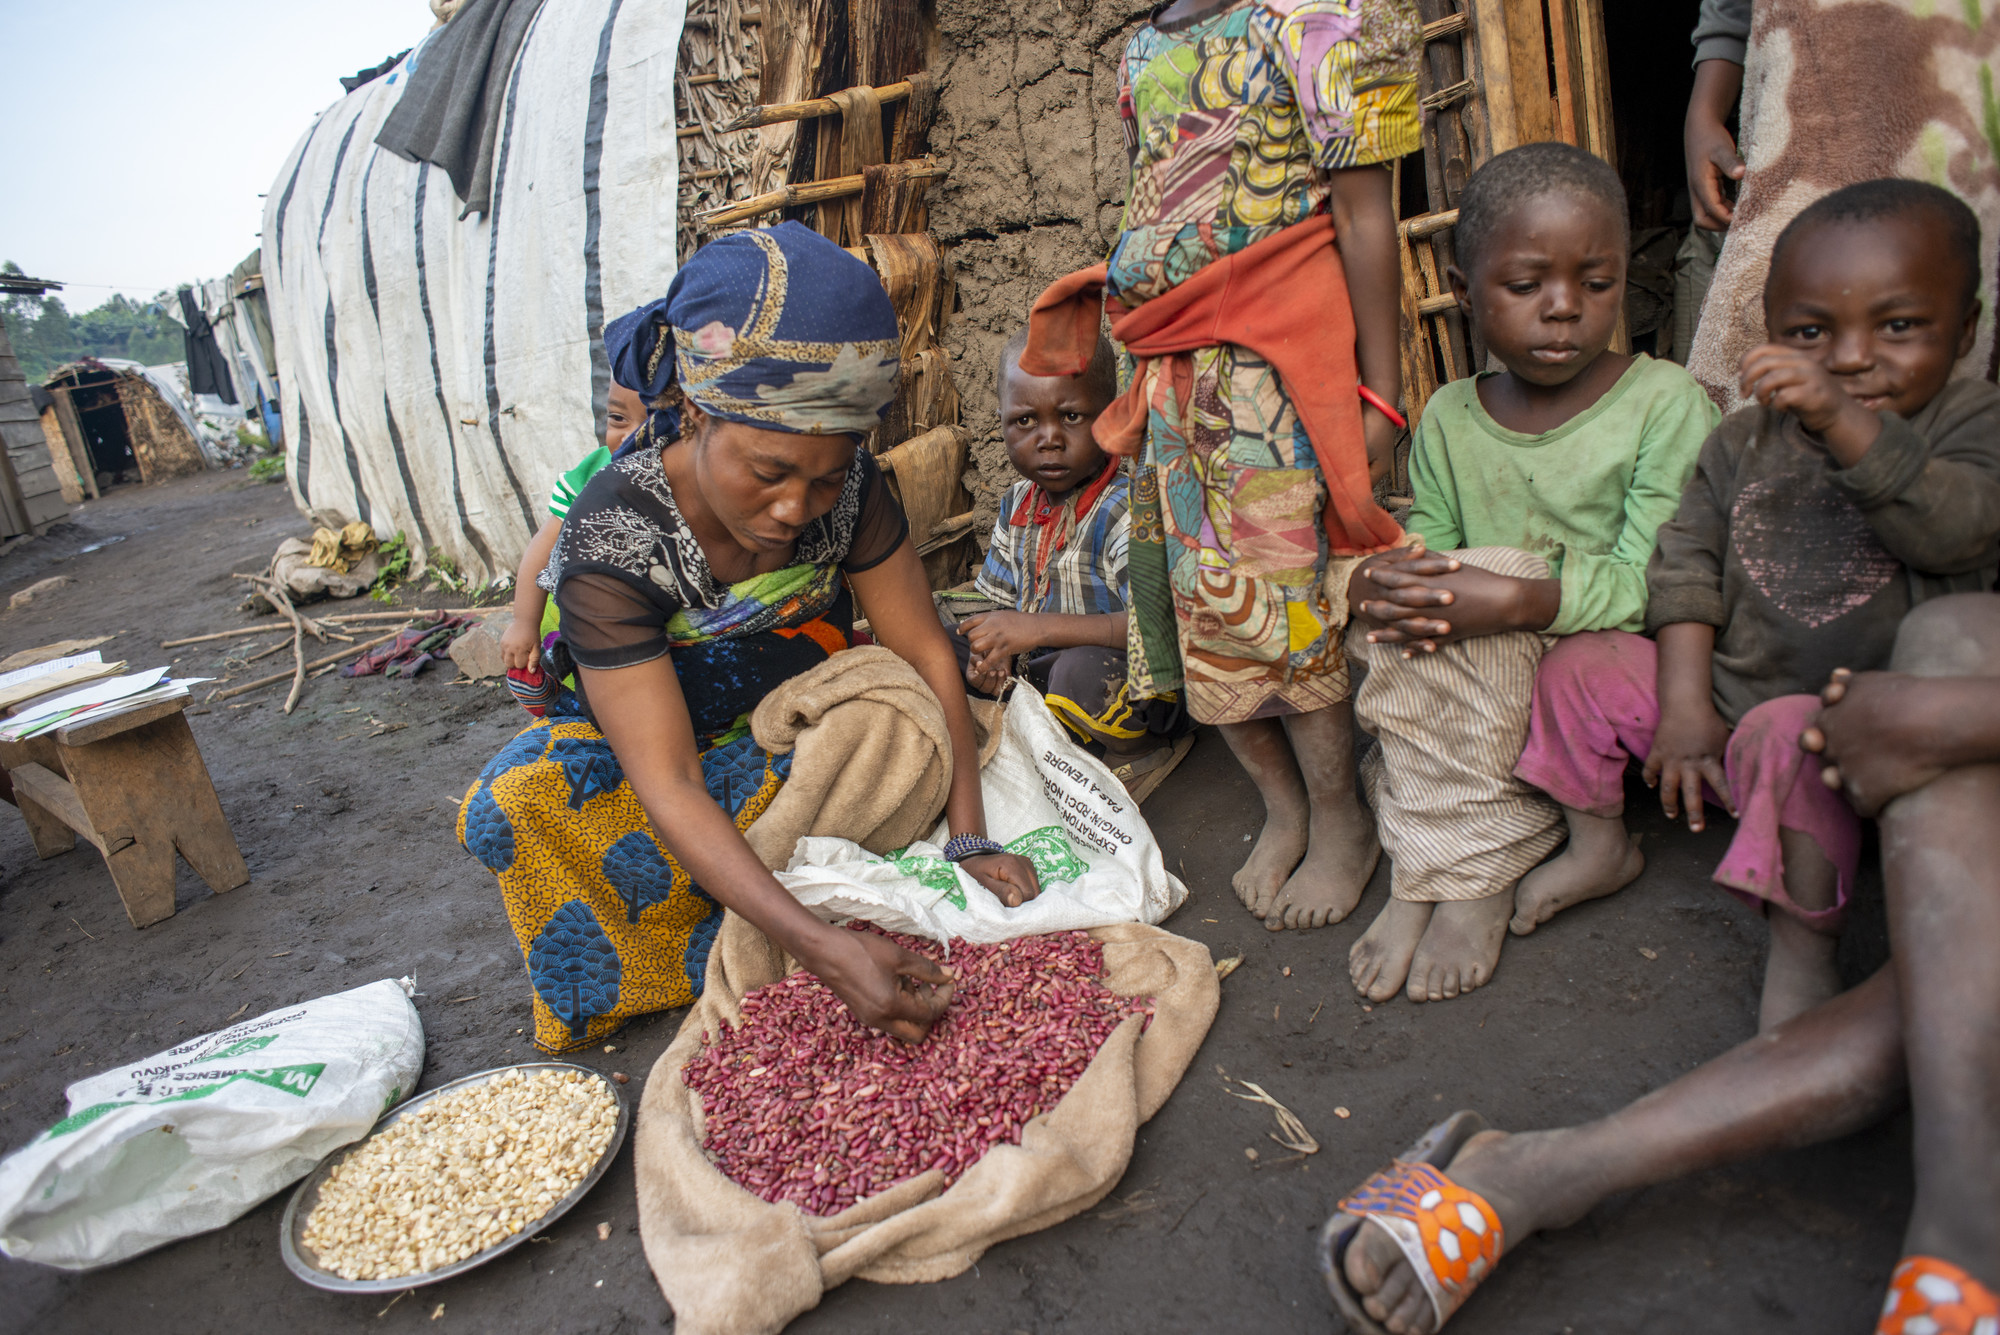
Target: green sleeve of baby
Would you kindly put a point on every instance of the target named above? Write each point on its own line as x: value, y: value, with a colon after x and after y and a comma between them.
x: 571, y: 484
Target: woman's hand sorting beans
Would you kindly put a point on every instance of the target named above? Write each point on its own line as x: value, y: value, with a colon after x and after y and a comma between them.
x: 802, y: 1104
x: 886, y: 986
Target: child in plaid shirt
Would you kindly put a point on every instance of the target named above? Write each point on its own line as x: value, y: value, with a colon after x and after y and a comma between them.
x: 1058, y: 560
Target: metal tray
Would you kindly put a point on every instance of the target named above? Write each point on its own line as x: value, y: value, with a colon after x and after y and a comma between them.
x: 299, y: 1257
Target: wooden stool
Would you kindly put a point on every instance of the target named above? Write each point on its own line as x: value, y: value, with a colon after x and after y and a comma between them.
x: 135, y: 786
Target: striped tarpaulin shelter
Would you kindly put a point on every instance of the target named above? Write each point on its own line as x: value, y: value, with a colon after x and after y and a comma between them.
x: 438, y: 374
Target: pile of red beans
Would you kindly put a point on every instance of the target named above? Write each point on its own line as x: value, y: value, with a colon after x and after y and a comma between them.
x: 805, y: 1104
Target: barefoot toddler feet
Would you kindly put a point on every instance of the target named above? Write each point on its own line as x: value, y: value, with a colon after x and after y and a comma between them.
x: 1601, y: 859
x: 1379, y: 962
x: 1277, y: 850
x: 1326, y: 887
x: 1340, y: 858
x: 1460, y: 947
x: 1580, y: 873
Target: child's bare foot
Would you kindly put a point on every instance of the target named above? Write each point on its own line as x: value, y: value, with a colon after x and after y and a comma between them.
x: 1264, y: 751
x: 1600, y: 860
x: 1379, y: 963
x: 1461, y: 947
x: 1800, y: 973
x: 1278, y: 849
x: 1340, y: 858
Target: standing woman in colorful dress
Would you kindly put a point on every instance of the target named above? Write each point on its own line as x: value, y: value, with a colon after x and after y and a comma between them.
x: 720, y: 555
x: 1255, y: 291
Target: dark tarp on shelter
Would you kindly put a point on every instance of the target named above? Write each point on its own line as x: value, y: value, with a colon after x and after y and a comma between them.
x: 208, y: 373
x: 450, y: 112
x: 353, y: 81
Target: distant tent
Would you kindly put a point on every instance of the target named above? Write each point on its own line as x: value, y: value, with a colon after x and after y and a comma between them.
x: 119, y: 418
x: 436, y: 374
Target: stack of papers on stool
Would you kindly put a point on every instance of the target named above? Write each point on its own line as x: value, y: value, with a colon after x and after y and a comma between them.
x: 40, y: 678
x: 99, y: 699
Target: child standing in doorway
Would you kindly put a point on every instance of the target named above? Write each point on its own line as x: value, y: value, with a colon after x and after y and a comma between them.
x: 1539, y: 490
x: 1255, y: 289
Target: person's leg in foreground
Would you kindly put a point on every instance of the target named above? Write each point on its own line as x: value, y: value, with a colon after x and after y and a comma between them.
x: 1941, y: 864
x: 1935, y: 748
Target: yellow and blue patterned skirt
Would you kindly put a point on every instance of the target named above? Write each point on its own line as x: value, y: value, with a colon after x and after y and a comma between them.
x: 610, y: 926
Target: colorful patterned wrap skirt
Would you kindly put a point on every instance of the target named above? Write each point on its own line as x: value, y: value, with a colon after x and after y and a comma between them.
x: 1228, y: 558
x: 609, y: 924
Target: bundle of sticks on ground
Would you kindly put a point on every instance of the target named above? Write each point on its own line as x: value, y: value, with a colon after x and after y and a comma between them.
x: 325, y: 629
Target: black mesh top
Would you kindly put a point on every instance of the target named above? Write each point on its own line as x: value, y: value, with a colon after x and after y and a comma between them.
x: 627, y: 561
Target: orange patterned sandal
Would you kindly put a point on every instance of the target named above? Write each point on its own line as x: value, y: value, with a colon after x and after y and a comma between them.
x: 1450, y: 1236
x: 1932, y: 1297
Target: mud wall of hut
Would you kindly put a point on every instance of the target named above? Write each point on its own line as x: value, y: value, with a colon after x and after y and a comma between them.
x: 1028, y: 121
x: 160, y: 442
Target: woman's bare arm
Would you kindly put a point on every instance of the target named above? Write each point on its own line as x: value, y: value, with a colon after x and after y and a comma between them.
x: 645, y: 718
x: 1364, y: 231
x: 897, y: 599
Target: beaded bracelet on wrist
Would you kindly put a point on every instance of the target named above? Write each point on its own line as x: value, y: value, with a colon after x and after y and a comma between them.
x: 963, y: 846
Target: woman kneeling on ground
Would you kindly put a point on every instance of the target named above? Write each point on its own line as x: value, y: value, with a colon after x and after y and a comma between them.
x: 694, y: 576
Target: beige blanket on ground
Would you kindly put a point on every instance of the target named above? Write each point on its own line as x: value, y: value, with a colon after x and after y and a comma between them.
x: 872, y: 758
x: 733, y: 1264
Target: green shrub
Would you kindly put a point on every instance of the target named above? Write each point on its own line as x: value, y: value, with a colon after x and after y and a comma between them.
x: 270, y: 468
x: 444, y: 573
x: 395, y: 554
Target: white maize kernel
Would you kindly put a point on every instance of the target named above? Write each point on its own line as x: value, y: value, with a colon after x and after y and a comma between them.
x: 461, y: 1173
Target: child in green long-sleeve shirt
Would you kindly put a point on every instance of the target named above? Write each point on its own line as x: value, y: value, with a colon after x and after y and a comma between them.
x: 1538, y: 492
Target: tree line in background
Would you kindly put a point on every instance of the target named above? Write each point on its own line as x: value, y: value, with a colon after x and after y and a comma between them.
x: 45, y: 334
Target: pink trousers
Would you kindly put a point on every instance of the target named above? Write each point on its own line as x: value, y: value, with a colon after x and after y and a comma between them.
x: 1597, y: 705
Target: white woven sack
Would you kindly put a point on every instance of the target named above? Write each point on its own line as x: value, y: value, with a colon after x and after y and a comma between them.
x: 190, y: 1138
x: 1047, y: 799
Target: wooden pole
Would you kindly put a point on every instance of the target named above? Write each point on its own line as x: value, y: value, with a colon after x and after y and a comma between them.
x: 812, y: 192
x: 405, y: 615
x: 277, y: 677
x: 284, y: 606
x: 323, y: 623
x: 218, y: 635
x: 1430, y: 224
x: 780, y: 112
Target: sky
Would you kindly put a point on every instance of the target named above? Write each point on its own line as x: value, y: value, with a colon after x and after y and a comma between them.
x: 140, y: 137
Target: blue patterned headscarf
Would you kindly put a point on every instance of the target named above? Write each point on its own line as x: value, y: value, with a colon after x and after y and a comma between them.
x: 776, y: 327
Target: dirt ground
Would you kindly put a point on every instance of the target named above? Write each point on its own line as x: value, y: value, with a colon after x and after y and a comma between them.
x: 356, y: 876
